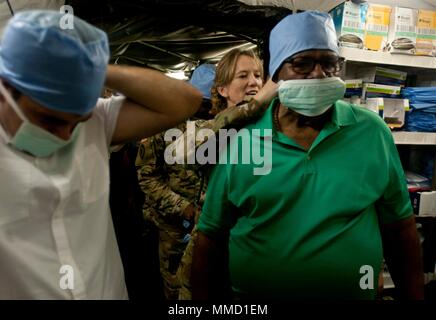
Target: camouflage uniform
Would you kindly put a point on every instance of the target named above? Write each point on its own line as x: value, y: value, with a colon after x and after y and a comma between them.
x: 168, y: 190
x: 184, y: 271
x: 232, y: 117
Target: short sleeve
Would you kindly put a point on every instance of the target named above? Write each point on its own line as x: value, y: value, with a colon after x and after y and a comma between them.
x: 108, y: 110
x: 394, y: 205
x: 216, y: 216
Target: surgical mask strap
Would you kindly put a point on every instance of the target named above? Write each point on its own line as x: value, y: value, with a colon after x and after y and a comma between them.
x: 12, y: 102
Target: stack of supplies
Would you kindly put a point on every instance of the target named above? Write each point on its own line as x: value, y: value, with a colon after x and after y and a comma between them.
x: 421, y: 195
x: 422, y: 116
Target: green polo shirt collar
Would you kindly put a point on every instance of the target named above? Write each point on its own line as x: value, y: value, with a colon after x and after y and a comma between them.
x: 342, y: 116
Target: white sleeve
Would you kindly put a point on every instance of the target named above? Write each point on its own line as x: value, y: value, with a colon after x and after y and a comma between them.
x: 107, y: 110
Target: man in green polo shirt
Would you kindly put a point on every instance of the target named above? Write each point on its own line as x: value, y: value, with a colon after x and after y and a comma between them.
x: 335, y: 200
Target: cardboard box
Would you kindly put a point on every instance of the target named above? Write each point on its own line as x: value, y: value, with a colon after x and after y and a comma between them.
x: 353, y: 88
x: 354, y: 100
x: 371, y: 90
x: 426, y: 33
x: 377, y: 27
x: 379, y: 75
x: 374, y: 104
x: 402, y: 31
x: 424, y: 203
x: 349, y: 19
x: 393, y: 111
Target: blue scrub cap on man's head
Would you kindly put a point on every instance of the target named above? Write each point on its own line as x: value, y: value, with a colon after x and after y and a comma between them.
x: 299, y: 32
x: 203, y: 79
x: 62, y: 69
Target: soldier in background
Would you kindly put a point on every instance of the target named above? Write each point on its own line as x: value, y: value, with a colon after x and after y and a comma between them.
x: 238, y: 98
x: 171, y: 190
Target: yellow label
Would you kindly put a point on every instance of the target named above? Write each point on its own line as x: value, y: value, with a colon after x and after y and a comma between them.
x: 426, y: 19
x: 377, y: 26
x: 378, y: 15
x: 426, y: 32
x: 373, y: 42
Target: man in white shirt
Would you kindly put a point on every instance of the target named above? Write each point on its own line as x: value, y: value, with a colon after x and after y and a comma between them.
x: 56, y: 234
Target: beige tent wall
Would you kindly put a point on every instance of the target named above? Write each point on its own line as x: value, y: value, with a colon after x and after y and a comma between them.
x: 20, y: 5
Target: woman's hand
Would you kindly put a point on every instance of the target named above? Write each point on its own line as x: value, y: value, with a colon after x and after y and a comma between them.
x: 266, y: 94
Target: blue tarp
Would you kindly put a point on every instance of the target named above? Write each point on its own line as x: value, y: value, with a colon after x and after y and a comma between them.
x: 421, y: 98
x: 422, y: 116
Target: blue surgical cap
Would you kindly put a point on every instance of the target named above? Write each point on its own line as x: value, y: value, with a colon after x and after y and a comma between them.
x: 62, y: 69
x: 299, y: 32
x: 203, y: 78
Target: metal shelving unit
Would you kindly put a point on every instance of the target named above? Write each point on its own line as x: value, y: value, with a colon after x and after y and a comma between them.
x: 417, y: 65
x: 414, y: 138
x: 386, y: 58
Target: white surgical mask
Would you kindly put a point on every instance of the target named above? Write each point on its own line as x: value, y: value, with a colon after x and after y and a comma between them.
x: 311, y: 97
x: 31, y: 138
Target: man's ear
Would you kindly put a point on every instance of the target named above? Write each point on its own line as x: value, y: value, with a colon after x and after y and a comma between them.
x: 223, y: 91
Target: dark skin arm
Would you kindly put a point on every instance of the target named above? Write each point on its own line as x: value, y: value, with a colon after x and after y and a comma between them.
x: 209, y: 277
x: 403, y: 256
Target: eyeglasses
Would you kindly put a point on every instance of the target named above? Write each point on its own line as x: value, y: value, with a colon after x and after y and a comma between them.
x: 305, y: 65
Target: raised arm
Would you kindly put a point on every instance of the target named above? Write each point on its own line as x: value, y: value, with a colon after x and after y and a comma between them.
x: 232, y: 117
x: 154, y: 101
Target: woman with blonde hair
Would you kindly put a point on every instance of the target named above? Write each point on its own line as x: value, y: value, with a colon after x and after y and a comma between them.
x: 237, y: 99
x: 239, y: 75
